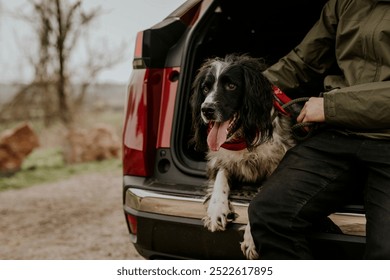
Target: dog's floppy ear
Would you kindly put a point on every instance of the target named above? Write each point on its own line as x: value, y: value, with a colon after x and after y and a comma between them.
x: 257, y: 104
x: 199, y: 127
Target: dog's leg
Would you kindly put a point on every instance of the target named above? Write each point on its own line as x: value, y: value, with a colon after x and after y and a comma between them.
x: 219, y: 210
x: 248, y: 247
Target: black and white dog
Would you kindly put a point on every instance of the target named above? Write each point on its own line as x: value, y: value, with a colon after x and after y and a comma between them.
x: 235, y: 121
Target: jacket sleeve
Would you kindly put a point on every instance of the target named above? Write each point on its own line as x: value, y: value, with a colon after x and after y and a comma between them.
x: 304, y: 68
x: 361, y: 107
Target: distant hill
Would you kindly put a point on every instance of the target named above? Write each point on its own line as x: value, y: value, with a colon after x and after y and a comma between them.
x: 112, y: 95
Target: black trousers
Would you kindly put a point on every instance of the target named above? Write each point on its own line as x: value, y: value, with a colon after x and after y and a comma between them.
x: 314, y: 179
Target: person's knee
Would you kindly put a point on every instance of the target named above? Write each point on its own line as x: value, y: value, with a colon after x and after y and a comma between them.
x: 271, y: 208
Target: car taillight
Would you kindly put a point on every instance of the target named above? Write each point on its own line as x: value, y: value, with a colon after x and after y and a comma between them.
x: 133, y: 223
x: 141, y: 119
x: 152, y: 91
x: 149, y: 113
x: 148, y: 119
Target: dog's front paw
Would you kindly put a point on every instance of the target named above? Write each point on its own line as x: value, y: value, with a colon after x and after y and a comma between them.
x: 248, y: 247
x: 218, y: 216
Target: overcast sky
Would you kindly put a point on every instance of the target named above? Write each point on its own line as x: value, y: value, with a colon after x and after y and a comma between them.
x: 118, y: 25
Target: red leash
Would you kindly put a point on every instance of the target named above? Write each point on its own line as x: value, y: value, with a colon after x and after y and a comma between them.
x: 280, y: 99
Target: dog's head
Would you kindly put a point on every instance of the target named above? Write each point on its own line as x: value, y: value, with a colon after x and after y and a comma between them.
x: 231, y: 98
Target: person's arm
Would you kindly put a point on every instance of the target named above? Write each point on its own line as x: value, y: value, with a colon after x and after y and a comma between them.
x: 364, y: 106
x: 306, y: 64
x: 361, y: 107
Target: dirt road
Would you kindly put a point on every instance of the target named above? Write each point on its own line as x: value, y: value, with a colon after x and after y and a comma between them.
x: 79, y: 218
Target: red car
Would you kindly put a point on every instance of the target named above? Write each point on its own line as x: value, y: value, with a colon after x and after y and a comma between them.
x: 164, y: 178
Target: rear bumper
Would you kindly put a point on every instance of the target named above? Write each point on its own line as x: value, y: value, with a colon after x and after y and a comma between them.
x: 164, y: 237
x: 169, y: 225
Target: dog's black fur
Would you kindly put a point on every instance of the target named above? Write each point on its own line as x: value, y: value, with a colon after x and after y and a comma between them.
x: 252, y: 98
x: 232, y: 100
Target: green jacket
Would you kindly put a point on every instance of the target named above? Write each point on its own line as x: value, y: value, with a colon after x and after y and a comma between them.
x: 355, y: 36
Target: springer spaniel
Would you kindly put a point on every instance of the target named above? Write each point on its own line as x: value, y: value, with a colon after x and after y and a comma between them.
x: 235, y: 121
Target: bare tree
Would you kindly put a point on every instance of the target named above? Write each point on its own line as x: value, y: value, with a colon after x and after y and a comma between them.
x: 59, y: 26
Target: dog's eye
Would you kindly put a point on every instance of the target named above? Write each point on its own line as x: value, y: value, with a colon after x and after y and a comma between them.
x: 230, y: 86
x: 205, y: 90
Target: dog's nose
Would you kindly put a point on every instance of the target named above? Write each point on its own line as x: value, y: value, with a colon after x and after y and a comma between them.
x: 208, y: 110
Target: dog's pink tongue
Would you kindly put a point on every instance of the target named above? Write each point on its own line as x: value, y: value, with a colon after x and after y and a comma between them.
x: 217, y: 135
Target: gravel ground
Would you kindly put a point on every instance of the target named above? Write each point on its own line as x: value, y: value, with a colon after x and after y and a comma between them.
x: 79, y: 218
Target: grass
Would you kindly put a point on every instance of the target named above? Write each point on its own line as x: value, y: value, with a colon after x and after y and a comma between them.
x: 48, y: 165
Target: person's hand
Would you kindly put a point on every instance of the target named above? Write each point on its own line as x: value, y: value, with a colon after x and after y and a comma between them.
x: 312, y: 111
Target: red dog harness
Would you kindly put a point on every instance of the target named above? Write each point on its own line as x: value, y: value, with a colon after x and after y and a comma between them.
x: 235, y: 144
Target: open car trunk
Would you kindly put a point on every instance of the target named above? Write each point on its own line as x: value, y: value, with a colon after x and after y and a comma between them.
x: 266, y: 29
x: 163, y: 202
